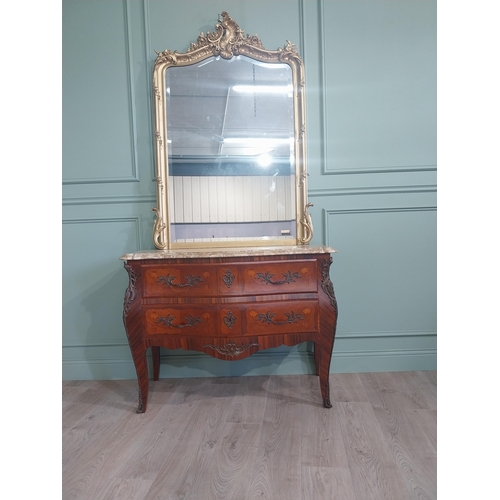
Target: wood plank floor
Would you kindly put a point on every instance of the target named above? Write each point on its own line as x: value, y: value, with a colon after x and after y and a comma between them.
x: 252, y: 437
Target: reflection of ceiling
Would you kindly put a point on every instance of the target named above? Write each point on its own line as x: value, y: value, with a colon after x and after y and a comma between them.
x: 210, y: 112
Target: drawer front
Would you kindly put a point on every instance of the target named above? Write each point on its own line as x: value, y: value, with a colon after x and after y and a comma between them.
x: 182, y: 320
x: 257, y: 318
x: 294, y: 276
x: 232, y: 279
x: 194, y: 320
x: 181, y: 280
x: 269, y: 318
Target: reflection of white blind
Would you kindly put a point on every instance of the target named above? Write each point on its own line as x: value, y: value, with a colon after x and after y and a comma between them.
x: 231, y: 198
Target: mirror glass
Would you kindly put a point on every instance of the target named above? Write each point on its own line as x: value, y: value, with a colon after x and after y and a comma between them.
x: 231, y: 162
x: 230, y: 143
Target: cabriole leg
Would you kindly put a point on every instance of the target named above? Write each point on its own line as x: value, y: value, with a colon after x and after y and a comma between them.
x: 141, y: 367
x: 324, y: 377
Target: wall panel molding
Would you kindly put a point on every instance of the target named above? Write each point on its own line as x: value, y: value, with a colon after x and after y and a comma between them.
x: 108, y: 200
x: 131, y: 93
x: 102, y: 180
x: 323, y: 79
x: 109, y: 220
x: 371, y: 335
x: 134, y: 177
x: 302, y: 29
x: 375, y: 85
x: 327, y: 213
x: 372, y: 190
x: 377, y: 170
x: 380, y: 210
x: 384, y: 361
x: 98, y: 220
x: 103, y: 343
x: 148, y: 57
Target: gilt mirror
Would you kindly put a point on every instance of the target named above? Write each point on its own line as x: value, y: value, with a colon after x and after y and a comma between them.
x: 230, y: 143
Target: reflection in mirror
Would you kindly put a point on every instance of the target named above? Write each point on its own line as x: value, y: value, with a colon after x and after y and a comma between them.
x: 230, y: 143
x: 230, y: 133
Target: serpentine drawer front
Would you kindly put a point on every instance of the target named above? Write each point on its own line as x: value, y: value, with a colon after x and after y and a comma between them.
x: 265, y: 318
x: 188, y: 280
x: 229, y: 304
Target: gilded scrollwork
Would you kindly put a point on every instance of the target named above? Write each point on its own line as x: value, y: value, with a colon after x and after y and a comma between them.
x: 291, y: 47
x: 226, y: 40
x: 159, y: 137
x: 302, y: 179
x: 167, y: 56
x: 306, y: 222
x: 156, y: 90
x: 159, y: 183
x: 158, y: 230
x: 289, y: 53
x: 302, y: 133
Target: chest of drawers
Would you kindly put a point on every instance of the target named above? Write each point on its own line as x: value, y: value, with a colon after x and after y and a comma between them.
x: 229, y: 304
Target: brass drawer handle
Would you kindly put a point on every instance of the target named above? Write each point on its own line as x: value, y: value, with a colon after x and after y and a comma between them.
x: 268, y: 318
x: 168, y: 320
x: 267, y: 278
x: 191, y: 281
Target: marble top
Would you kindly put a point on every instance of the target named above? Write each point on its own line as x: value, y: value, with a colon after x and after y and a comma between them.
x: 226, y: 252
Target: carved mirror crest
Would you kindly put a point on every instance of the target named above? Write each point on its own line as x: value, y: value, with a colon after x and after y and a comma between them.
x: 230, y: 143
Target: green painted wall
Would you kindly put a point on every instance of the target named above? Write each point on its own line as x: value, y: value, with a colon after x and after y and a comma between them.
x: 371, y: 126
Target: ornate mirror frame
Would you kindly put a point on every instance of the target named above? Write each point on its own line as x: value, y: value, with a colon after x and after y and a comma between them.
x: 227, y: 41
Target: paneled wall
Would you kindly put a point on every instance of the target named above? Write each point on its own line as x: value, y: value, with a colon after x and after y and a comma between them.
x: 371, y: 129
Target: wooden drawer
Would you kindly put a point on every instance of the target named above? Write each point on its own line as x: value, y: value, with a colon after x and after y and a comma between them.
x: 182, y: 280
x: 232, y: 279
x: 294, y: 276
x: 273, y: 277
x: 256, y: 318
x: 268, y: 318
x: 182, y: 320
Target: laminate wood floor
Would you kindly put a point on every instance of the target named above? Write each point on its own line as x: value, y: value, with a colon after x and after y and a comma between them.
x: 245, y: 438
